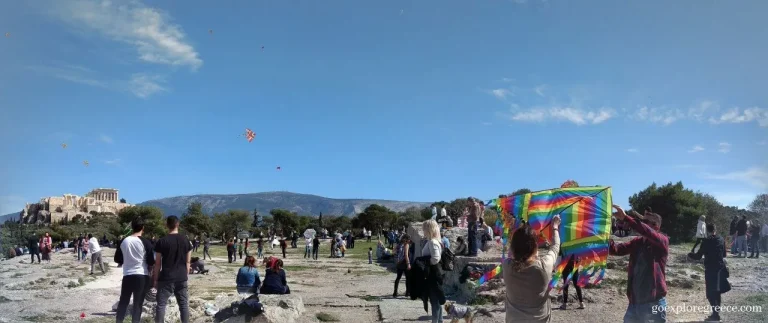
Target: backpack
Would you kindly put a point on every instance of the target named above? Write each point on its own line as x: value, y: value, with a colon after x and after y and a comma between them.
x: 447, y: 259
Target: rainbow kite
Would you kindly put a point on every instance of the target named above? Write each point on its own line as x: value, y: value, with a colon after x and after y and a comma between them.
x: 586, y: 223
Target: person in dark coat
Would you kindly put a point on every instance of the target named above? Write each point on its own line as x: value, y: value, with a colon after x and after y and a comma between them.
x: 754, y: 239
x: 715, y: 270
x: 34, y: 249
x: 732, y: 233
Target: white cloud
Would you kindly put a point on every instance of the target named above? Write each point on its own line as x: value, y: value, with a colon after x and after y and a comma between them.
x: 696, y: 149
x: 569, y: 114
x: 506, y: 79
x: 724, y: 147
x: 736, y: 115
x: 632, y: 150
x: 145, y: 85
x: 106, y: 139
x: 150, y: 31
x: 755, y: 176
x: 662, y: 115
x: 487, y: 123
x: 738, y: 199
x: 112, y: 162
x: 501, y: 94
x: 72, y: 73
x: 540, y: 90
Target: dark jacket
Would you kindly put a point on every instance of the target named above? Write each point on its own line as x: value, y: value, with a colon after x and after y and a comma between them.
x: 33, y: 246
x: 715, y: 270
x: 755, y: 231
x: 732, y: 231
x: 424, y: 281
x: 274, y: 282
x: 741, y: 228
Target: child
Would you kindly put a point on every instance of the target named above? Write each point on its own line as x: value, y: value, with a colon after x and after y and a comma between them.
x: 370, y: 256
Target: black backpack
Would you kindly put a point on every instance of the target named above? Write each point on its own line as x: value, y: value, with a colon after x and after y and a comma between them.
x: 447, y: 259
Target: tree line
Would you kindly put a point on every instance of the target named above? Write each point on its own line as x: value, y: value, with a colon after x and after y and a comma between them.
x: 679, y: 207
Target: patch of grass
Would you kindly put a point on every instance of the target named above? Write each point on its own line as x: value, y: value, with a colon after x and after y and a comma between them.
x: 479, y: 301
x: 297, y: 268
x: 757, y: 299
x: 326, y: 317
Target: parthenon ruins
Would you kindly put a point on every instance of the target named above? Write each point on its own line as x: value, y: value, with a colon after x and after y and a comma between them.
x: 62, y: 208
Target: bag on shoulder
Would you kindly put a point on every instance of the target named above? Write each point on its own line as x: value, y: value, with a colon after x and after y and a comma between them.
x: 447, y: 259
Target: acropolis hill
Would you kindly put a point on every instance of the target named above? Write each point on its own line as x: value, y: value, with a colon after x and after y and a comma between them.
x: 64, y: 208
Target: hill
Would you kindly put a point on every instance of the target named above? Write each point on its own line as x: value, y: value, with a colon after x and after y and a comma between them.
x: 9, y: 216
x: 303, y: 204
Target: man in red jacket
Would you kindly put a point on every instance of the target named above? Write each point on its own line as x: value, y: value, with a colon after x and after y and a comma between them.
x: 646, y: 284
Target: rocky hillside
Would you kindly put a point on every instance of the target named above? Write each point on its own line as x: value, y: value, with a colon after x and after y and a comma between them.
x: 303, y: 204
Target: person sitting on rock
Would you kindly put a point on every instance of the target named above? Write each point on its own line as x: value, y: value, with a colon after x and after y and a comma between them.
x: 274, y: 278
x: 247, y: 280
x: 461, y: 248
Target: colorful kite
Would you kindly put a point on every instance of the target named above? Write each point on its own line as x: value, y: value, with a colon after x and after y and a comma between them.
x: 586, y: 223
x: 249, y: 134
x: 569, y: 183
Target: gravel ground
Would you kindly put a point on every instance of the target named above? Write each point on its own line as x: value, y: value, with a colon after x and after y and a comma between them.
x: 348, y: 289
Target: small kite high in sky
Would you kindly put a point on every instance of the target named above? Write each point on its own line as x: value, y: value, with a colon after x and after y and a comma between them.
x: 278, y: 168
x: 262, y: 48
x: 64, y: 146
x: 210, y: 31
x: 7, y: 34
x: 249, y: 134
x: 85, y: 162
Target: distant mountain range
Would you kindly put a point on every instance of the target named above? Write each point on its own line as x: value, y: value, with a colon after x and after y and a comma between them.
x: 303, y: 204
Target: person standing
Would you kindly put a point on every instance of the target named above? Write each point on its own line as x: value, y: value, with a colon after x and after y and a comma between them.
x: 173, y: 254
x: 701, y: 232
x: 732, y: 233
x: 315, y: 247
x: 434, y: 212
x: 741, y: 236
x: 433, y: 251
x: 308, y: 247
x: 403, y: 262
x: 527, y: 276
x: 472, y: 217
x: 260, y: 248
x: 46, y: 246
x: 715, y: 270
x: 84, y: 247
x: 34, y: 249
x: 571, y: 267
x: 206, y: 247
x: 754, y: 240
x: 231, y: 256
x: 283, y: 246
x: 646, y: 271
x: 77, y: 247
x: 764, y: 237
x: 135, y: 256
x: 240, y: 249
x: 95, y: 250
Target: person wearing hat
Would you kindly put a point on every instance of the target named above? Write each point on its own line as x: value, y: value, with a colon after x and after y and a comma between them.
x: 701, y: 232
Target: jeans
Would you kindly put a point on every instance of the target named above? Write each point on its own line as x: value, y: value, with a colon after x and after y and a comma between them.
x: 755, y: 247
x: 741, y: 245
x: 651, y: 312
x: 314, y: 252
x: 96, y: 258
x: 437, y: 309
x: 400, y: 273
x: 764, y: 243
x: 734, y: 244
x: 136, y: 285
x: 471, y: 238
x: 164, y: 291
x: 205, y: 253
x: 259, y: 254
x: 307, y: 252
x: 32, y: 254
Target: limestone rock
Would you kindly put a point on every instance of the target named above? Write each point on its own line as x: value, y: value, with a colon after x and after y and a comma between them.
x: 277, y: 309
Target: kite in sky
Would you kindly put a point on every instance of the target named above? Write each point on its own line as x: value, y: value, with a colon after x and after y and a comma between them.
x: 7, y: 34
x: 278, y: 168
x: 85, y: 162
x: 64, y: 146
x: 249, y: 134
x: 585, y: 229
x: 210, y: 31
x: 262, y: 48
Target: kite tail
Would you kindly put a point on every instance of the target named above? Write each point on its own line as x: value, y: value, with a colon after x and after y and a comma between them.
x: 558, y: 272
x: 600, y: 277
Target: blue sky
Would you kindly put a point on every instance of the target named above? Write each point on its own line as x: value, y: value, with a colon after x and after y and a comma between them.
x: 408, y: 100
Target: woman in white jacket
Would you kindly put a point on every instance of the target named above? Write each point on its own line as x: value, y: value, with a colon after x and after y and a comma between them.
x: 701, y: 232
x: 434, y: 250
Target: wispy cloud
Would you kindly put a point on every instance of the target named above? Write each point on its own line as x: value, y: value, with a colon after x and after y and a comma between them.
x: 106, y: 139
x: 696, y: 149
x: 724, y: 147
x: 737, y: 115
x: 145, y: 85
x: 540, y: 90
x: 501, y: 94
x: 487, y: 123
x: 660, y: 115
x: 112, y: 162
x: 569, y: 114
x: 150, y: 31
x: 71, y: 73
x: 755, y: 176
x: 632, y: 150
